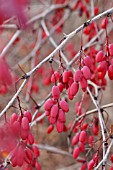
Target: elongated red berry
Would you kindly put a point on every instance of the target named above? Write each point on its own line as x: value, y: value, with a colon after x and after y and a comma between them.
x: 29, y: 153
x: 95, y: 129
x: 50, y: 129
x: 61, y: 87
x: 64, y: 105
x: 54, y: 110
x: 86, y: 72
x: 83, y: 136
x: 25, y: 123
x: 48, y: 104
x: 83, y: 84
x: 70, y: 81
x: 61, y: 116
x: 59, y: 126
x: 110, y: 72
x: 38, y: 166
x: 16, y: 127
x: 111, y: 49
x: 74, y: 88
x: 87, y: 61
x: 84, y: 126
x: 30, y: 138
x: 84, y: 166
x: 35, y: 151
x: 28, y: 115
x: 20, y: 155
x: 13, y: 118
x: 75, y: 139
x: 52, y: 120
x: 65, y: 76
x: 78, y: 75
x: 91, y: 165
x: 100, y: 56
x: 102, y: 66
x: 55, y: 92
x: 55, y: 76
x: 81, y: 147
x: 76, y: 152
x: 24, y: 133
x: 111, y: 158
x: 104, y: 23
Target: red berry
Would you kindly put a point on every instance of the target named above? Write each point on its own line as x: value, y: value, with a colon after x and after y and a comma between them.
x: 37, y: 166
x: 30, y: 138
x: 84, y: 126
x: 102, y: 66
x: 55, y: 92
x: 111, y: 158
x: 61, y: 87
x: 83, y: 136
x: 13, y: 118
x: 20, y: 156
x: 29, y: 153
x: 24, y: 133
x: 96, y: 10
x: 91, y: 165
x: 25, y: 123
x: 64, y: 105
x: 28, y: 115
x: 59, y: 126
x: 111, y: 49
x: 65, y: 76
x: 100, y: 56
x: 81, y: 147
x: 48, y: 104
x: 78, y: 75
x: 61, y: 116
x: 74, y: 88
x: 50, y: 129
x: 35, y: 151
x: 83, y: 84
x: 110, y: 72
x: 86, y: 72
x: 54, y: 111
x: 75, y: 139
x: 52, y: 120
x: 87, y: 61
x: 95, y: 130
x: 104, y: 23
x: 55, y: 76
x: 84, y: 166
x: 76, y: 152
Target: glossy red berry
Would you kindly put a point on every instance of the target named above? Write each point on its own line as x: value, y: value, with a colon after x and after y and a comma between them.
x: 100, y: 56
x: 86, y: 72
x: 83, y: 136
x: 55, y: 92
x: 48, y: 104
x: 76, y: 152
x: 64, y: 105
x: 78, y: 75
x: 74, y: 88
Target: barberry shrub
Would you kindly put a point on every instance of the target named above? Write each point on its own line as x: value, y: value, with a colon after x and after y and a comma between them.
x: 56, y: 84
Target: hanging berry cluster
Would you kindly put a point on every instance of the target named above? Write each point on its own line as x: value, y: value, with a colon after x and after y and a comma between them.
x: 21, y: 151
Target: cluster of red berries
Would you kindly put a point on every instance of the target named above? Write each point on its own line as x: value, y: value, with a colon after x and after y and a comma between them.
x: 105, y: 63
x: 80, y: 139
x: 22, y: 150
x: 56, y: 113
